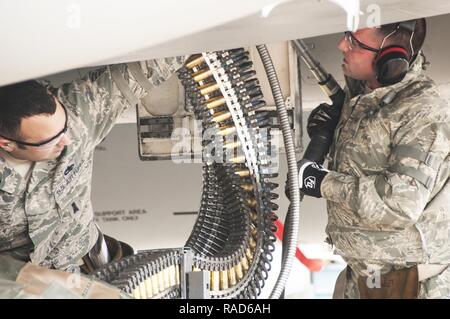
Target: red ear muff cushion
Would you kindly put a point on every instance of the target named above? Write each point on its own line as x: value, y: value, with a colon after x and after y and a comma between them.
x: 391, y: 65
x: 392, y: 50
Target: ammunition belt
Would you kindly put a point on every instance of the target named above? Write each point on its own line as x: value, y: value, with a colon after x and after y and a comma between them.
x: 233, y: 237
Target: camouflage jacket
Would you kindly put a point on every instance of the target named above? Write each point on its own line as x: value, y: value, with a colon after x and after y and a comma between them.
x: 54, y: 207
x: 388, y: 164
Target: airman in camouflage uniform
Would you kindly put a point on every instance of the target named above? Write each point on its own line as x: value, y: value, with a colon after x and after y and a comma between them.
x: 379, y: 200
x: 387, y: 189
x: 54, y: 207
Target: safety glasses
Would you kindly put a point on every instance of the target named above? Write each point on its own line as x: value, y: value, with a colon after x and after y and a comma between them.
x: 353, y: 42
x: 49, y: 143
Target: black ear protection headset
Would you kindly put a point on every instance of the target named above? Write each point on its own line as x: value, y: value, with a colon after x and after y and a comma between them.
x: 393, y: 62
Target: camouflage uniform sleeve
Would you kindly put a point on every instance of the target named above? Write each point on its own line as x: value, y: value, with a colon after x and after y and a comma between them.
x: 99, y: 102
x: 397, y: 196
x: 22, y: 280
x: 9, y: 270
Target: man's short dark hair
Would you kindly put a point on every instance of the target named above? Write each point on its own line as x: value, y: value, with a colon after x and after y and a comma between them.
x: 23, y: 100
x: 402, y: 36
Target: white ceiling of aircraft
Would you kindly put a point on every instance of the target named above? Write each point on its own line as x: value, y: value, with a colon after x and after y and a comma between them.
x: 43, y: 37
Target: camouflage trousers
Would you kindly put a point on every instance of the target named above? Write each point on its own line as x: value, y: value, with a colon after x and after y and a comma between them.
x: 436, y: 287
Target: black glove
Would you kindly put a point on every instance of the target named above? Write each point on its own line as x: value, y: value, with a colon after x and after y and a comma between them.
x: 310, y: 177
x: 323, y: 120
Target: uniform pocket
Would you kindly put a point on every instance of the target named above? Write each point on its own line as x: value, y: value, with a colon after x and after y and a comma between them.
x: 12, y: 213
x: 7, y: 203
x: 70, y: 205
x: 70, y: 188
x: 369, y: 147
x: 11, y: 191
